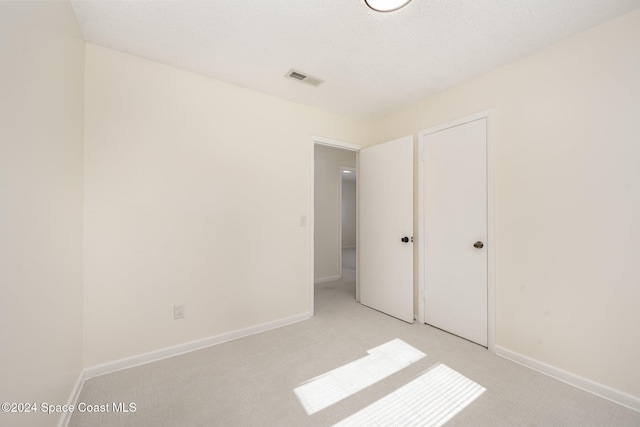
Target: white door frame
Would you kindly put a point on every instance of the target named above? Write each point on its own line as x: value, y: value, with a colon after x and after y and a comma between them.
x: 343, y: 146
x: 488, y: 114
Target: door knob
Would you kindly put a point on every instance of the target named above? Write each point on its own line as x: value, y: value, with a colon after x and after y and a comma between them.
x: 405, y: 239
x: 478, y: 245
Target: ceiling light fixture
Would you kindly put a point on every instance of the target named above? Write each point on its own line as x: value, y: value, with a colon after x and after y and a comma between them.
x: 386, y: 5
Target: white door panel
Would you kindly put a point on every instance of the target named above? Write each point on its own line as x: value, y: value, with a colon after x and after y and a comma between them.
x: 385, y: 188
x: 455, y: 213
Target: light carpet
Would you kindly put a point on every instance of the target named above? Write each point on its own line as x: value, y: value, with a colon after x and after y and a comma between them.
x: 251, y: 381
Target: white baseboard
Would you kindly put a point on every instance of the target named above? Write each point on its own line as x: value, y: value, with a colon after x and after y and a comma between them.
x: 164, y: 353
x: 606, y: 392
x: 327, y: 279
x: 73, y: 399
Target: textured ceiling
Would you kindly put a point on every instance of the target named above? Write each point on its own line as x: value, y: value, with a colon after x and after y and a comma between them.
x: 372, y: 63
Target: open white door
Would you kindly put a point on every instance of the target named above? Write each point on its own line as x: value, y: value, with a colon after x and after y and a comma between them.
x: 385, y: 217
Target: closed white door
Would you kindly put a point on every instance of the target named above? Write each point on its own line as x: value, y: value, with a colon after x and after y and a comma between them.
x: 385, y: 246
x: 455, y: 215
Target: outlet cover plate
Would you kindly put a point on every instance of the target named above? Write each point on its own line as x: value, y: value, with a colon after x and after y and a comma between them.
x: 178, y: 311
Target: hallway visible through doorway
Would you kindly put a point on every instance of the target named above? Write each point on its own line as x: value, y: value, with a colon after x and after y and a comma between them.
x: 349, y: 264
x: 335, y: 219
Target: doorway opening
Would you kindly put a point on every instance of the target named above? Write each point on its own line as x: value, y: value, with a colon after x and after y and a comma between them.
x: 334, y: 219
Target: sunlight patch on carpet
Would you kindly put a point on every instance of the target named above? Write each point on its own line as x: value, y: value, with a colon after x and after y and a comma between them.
x: 430, y: 400
x: 333, y: 386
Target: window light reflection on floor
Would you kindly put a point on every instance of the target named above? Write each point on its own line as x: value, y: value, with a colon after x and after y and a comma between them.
x: 430, y: 400
x: 333, y: 386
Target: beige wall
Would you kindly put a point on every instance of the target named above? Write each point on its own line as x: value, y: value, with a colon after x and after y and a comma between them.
x: 194, y: 192
x: 567, y: 198
x: 186, y: 203
x: 327, y: 216
x: 41, y: 131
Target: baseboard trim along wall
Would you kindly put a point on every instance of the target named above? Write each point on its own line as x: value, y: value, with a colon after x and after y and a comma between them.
x: 327, y: 279
x: 73, y: 399
x: 606, y: 392
x: 164, y: 353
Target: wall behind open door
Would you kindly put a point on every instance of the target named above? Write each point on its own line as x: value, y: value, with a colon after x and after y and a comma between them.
x: 566, y: 201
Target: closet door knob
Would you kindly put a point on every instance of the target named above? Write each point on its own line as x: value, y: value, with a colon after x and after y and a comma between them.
x: 478, y: 245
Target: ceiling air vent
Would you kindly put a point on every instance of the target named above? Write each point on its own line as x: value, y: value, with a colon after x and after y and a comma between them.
x: 303, y: 77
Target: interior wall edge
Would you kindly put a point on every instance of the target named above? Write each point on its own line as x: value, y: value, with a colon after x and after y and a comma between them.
x: 73, y: 399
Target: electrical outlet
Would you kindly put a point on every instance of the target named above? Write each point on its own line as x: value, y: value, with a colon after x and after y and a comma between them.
x: 178, y: 311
